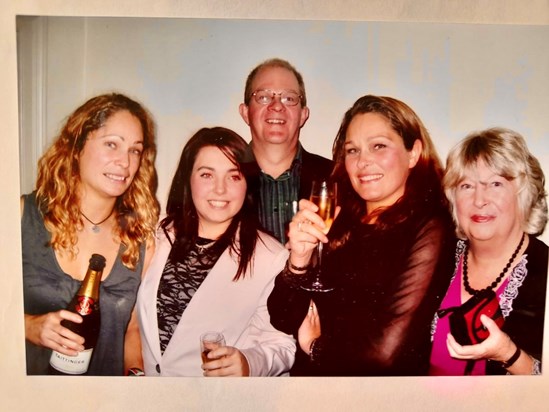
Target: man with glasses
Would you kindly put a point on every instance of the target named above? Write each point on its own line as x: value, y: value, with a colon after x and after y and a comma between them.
x: 275, y: 108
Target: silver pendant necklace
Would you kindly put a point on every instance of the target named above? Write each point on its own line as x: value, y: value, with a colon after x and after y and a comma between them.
x: 95, y: 226
x: 203, y: 244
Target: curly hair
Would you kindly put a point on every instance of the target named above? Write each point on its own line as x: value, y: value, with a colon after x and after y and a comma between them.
x: 181, y: 215
x: 59, y: 178
x: 423, y: 190
x: 505, y: 151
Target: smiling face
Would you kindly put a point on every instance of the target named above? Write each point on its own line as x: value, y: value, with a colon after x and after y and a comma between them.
x: 376, y: 160
x: 486, y: 205
x: 111, y: 156
x: 274, y: 123
x: 218, y: 190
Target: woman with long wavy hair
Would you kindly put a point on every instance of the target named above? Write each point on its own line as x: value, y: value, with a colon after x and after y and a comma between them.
x: 388, y: 254
x: 95, y: 193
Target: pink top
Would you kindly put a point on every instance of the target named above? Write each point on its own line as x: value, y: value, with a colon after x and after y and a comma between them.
x: 442, y: 364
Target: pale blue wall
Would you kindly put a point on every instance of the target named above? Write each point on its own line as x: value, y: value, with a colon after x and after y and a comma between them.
x: 190, y: 73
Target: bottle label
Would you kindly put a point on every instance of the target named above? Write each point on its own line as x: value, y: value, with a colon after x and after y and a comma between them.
x: 72, y: 365
x: 85, y: 305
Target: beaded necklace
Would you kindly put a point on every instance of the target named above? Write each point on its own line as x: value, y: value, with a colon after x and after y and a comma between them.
x: 468, y: 287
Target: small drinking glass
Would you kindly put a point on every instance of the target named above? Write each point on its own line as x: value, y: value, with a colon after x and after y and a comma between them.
x: 210, y: 341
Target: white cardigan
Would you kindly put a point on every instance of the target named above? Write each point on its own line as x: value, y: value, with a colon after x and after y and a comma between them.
x: 237, y: 309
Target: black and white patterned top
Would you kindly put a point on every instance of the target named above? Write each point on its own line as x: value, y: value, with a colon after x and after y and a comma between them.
x: 178, y: 284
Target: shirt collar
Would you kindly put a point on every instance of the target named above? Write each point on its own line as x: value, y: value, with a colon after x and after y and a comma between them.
x: 249, y: 156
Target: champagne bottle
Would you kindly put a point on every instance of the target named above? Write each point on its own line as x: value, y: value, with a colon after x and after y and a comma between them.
x: 86, y: 304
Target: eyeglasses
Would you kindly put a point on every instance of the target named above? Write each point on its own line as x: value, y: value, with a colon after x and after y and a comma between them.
x: 287, y: 98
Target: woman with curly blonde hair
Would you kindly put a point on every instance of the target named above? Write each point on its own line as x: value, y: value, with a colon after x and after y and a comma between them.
x: 95, y: 193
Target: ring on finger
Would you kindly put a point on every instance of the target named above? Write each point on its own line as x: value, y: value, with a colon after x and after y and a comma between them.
x: 299, y: 226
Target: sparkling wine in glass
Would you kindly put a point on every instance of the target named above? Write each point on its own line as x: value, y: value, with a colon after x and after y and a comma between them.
x: 323, y: 194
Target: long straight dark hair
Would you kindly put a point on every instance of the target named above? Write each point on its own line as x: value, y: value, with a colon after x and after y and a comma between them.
x: 181, y: 216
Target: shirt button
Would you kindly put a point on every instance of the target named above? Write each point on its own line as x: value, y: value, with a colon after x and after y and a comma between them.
x: 158, y: 368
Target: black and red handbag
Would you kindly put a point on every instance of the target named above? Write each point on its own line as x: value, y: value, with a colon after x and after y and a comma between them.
x: 465, y: 324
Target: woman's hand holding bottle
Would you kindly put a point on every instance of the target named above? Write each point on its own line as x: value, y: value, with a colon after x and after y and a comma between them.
x: 46, y: 330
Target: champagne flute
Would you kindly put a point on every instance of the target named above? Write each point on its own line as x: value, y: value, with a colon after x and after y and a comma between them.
x: 323, y: 194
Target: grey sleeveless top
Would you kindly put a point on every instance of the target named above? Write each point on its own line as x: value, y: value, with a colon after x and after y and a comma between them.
x: 47, y: 288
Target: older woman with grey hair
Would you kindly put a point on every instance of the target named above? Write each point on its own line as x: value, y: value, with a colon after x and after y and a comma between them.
x: 496, y: 190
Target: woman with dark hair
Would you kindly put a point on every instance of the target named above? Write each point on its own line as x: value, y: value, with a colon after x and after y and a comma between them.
x: 213, y: 270
x: 496, y: 189
x: 95, y: 193
x: 388, y: 253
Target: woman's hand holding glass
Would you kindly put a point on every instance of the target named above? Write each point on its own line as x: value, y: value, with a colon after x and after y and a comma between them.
x: 307, y: 228
x: 226, y: 361
x: 218, y: 359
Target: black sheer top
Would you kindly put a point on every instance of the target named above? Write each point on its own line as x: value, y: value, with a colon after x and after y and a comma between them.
x: 181, y: 278
x: 388, y: 285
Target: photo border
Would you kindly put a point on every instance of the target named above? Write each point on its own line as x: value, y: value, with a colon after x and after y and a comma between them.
x: 92, y: 393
